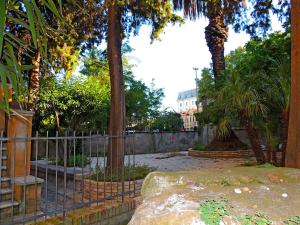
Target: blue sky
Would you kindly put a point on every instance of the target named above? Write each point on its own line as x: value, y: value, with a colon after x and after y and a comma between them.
x: 170, y: 61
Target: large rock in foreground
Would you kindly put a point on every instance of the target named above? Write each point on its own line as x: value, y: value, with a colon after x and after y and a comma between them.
x: 240, y: 195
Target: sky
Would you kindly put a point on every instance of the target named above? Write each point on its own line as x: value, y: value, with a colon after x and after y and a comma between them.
x: 170, y: 60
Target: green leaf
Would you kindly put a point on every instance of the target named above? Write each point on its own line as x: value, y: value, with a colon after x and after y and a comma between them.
x: 4, y: 86
x: 50, y: 4
x: 2, y: 23
x: 30, y: 15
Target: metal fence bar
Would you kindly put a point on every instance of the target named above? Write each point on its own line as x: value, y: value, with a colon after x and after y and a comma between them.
x: 90, y: 168
x: 46, y: 178
x: 25, y: 176
x: 35, y: 177
x: 65, y: 177
x: 82, y: 175
x: 104, y: 166
x: 97, y: 168
x: 74, y: 168
x: 56, y: 171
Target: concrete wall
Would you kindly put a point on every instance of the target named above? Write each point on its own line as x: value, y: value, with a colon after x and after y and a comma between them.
x: 136, y: 143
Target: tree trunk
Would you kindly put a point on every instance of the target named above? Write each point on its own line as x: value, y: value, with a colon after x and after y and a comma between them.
x: 34, y: 79
x: 216, y: 33
x: 284, y: 125
x: 293, y: 143
x: 253, y: 137
x: 115, y: 156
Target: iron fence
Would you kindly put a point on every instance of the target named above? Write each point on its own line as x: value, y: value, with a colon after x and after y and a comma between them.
x: 70, y: 172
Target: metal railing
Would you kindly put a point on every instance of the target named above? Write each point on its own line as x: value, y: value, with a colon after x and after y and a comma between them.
x: 45, y: 176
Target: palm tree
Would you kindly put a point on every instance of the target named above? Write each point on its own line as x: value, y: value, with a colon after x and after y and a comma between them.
x: 22, y: 27
x: 279, y: 99
x: 238, y: 98
x: 220, y: 13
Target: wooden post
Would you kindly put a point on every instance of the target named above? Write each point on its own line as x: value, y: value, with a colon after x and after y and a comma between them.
x: 293, y: 144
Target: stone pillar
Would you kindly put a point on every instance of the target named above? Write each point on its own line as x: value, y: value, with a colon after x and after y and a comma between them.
x: 19, y: 151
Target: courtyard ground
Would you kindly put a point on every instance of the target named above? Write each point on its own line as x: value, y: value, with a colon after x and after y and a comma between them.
x: 176, y: 161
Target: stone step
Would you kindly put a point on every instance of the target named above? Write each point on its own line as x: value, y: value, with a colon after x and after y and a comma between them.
x: 5, y: 182
x: 7, y: 209
x: 5, y: 194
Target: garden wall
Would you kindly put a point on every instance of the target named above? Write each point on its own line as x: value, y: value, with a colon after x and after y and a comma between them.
x: 137, y: 143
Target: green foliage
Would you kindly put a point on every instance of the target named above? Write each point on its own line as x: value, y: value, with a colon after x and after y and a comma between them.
x: 80, y: 160
x: 199, y: 147
x: 252, y: 16
x: 292, y: 221
x: 249, y: 163
x: 82, y: 102
x: 168, y: 121
x: 142, y: 102
x: 129, y: 173
x: 257, y: 219
x: 225, y: 182
x: 238, y: 91
x: 265, y: 165
x: 24, y: 30
x: 212, y: 211
x: 77, y: 104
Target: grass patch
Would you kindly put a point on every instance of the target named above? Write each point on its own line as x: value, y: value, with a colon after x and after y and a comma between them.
x: 212, y: 211
x: 249, y: 163
x: 257, y: 219
x: 225, y: 182
x: 292, y: 221
x: 198, y: 147
x: 136, y: 172
x: 266, y: 165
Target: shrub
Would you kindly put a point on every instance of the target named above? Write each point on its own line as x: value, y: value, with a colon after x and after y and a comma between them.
x: 80, y: 161
x: 199, y: 147
x: 129, y: 173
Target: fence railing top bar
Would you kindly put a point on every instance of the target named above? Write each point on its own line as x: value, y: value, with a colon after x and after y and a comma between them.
x: 33, y: 138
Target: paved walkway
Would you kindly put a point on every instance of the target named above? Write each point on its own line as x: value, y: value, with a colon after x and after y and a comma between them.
x: 176, y: 161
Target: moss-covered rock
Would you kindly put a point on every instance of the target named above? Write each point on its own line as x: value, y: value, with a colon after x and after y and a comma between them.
x: 262, y: 195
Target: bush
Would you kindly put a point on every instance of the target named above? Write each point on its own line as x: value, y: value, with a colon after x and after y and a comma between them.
x: 131, y: 172
x: 199, y: 147
x: 80, y: 161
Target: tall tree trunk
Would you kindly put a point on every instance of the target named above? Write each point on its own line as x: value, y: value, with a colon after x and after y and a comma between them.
x: 253, y: 137
x: 34, y: 78
x: 293, y: 143
x: 284, y: 125
x: 216, y: 33
x: 115, y: 157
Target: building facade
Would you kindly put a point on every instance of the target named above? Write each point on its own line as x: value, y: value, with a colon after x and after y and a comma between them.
x: 187, y: 107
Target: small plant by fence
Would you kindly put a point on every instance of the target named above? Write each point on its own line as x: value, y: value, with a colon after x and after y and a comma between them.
x: 71, y: 174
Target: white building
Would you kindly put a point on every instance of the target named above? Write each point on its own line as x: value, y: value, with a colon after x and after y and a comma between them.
x: 187, y: 106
